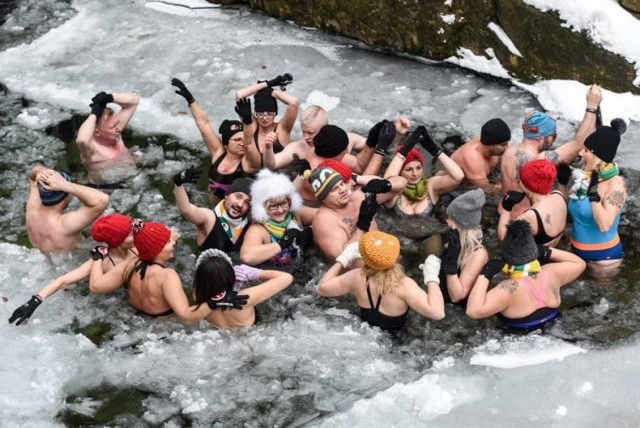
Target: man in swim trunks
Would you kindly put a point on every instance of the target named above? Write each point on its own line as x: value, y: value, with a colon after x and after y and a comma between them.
x: 99, y: 139
x: 49, y: 227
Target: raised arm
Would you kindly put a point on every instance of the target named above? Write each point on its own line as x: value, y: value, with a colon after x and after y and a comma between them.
x: 129, y: 102
x: 290, y: 115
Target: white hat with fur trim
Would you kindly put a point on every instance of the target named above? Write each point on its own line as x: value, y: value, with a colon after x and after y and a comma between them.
x: 269, y: 185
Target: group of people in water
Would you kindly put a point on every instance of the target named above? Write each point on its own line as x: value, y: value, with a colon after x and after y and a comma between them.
x: 264, y: 219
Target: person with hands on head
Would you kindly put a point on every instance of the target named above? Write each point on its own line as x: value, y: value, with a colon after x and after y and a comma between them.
x: 222, y: 227
x: 382, y: 290
x: 420, y: 195
x: 539, y: 135
x: 530, y: 297
x: 99, y: 139
x: 548, y: 213
x: 279, y: 219
x: 215, y: 277
x: 154, y: 289
x: 345, y: 214
x: 233, y: 155
x: 465, y: 254
x: 596, y: 201
x: 50, y: 227
x: 265, y: 101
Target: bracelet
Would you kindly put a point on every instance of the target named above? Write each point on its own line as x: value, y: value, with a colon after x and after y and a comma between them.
x: 591, y: 110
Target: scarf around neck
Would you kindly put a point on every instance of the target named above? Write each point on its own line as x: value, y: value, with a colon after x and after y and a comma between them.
x: 582, y: 179
x: 277, y: 228
x: 518, y: 271
x: 233, y: 227
x: 416, y: 192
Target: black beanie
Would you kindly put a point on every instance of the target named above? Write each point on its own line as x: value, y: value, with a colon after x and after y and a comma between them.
x: 330, y: 141
x: 519, y: 247
x: 241, y: 184
x: 264, y: 101
x: 603, y: 143
x: 495, y: 131
x: 228, y: 128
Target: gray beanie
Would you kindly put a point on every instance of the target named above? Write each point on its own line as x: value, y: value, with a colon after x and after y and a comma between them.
x: 519, y: 247
x: 466, y: 209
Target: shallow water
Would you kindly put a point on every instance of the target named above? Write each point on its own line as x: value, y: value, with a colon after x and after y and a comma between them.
x: 85, y: 359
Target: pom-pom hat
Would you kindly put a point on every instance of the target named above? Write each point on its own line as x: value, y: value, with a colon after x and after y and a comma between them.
x: 149, y: 238
x: 519, y: 247
x: 379, y: 250
x: 270, y: 185
x: 112, y: 229
x: 538, y: 175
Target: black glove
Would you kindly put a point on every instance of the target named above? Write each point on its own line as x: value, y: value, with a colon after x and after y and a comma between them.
x: 368, y: 209
x: 430, y: 145
x: 98, y: 253
x: 385, y: 137
x: 97, y: 108
x: 413, y: 139
x: 231, y: 299
x: 191, y: 175
x: 492, y: 267
x: 564, y: 173
x: 544, y: 254
x: 511, y: 198
x: 102, y: 98
x: 450, y: 256
x: 305, y: 237
x: 300, y: 165
x: 25, y: 311
x: 372, y: 137
x: 183, y: 91
x: 619, y: 125
x: 289, y: 238
x: 592, y: 191
x: 281, y: 80
x: 243, y: 108
x: 377, y: 185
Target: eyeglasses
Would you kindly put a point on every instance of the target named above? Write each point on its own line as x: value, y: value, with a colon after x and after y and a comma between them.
x: 263, y: 114
x: 274, y: 207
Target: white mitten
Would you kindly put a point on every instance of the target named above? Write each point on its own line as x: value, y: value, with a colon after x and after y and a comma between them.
x: 431, y: 269
x: 349, y: 254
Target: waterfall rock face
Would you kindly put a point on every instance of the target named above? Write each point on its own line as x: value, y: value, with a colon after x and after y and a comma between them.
x: 545, y: 47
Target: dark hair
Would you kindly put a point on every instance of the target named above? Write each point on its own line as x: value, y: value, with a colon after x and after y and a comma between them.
x: 213, y: 276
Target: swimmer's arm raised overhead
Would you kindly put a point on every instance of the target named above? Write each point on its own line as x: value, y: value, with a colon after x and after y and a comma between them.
x: 210, y: 138
x: 198, y: 216
x: 129, y: 102
x: 290, y: 115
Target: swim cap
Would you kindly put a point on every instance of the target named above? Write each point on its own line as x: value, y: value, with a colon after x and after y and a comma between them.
x: 149, y: 238
x: 111, y: 229
x: 538, y: 175
x: 53, y: 197
x: 379, y: 250
x: 537, y: 124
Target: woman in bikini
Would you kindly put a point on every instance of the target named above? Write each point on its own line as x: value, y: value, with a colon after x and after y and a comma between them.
x: 530, y: 297
x: 382, y: 290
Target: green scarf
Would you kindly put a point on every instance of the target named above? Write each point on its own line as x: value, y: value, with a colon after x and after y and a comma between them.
x: 518, y: 271
x: 277, y: 228
x: 416, y: 192
x: 233, y: 227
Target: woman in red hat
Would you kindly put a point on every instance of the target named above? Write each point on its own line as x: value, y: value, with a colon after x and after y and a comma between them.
x: 154, y: 289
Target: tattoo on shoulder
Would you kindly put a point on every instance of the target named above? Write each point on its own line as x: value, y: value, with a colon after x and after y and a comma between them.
x: 556, y: 292
x: 547, y: 219
x: 509, y: 286
x: 522, y: 157
x: 616, y: 199
x: 349, y: 222
x: 551, y: 155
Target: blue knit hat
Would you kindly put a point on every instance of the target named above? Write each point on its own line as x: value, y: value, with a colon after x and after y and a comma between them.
x: 53, y: 197
x: 538, y: 124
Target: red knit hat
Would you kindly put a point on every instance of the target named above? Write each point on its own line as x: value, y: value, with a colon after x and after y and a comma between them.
x: 149, y: 238
x: 111, y: 229
x: 338, y: 167
x: 413, y: 155
x: 538, y: 175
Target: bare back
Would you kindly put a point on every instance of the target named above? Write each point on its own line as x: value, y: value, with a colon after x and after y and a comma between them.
x: 147, y: 294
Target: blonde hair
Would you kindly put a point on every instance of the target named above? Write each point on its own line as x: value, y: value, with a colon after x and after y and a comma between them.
x: 128, y: 271
x: 470, y: 241
x: 387, y: 279
x: 311, y: 112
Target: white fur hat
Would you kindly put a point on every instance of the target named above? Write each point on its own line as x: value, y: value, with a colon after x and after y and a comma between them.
x: 270, y: 185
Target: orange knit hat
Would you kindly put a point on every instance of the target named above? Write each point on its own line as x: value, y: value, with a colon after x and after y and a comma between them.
x: 379, y: 250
